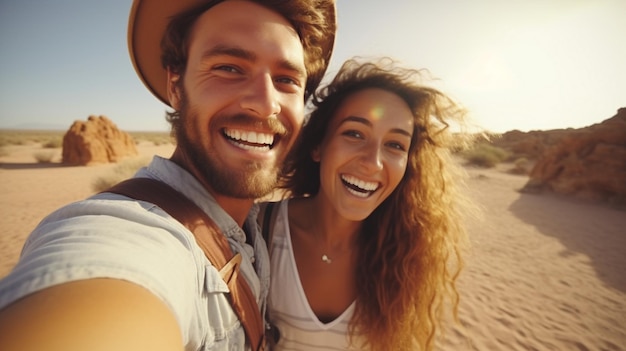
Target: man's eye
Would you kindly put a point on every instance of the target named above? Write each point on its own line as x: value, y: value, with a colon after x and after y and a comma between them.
x: 287, y: 80
x: 226, y: 68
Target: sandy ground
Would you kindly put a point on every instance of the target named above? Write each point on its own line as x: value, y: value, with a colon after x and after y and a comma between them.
x: 31, y: 190
x: 544, y: 273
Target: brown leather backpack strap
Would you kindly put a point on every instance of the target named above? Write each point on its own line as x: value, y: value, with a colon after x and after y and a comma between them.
x: 266, y: 219
x: 268, y: 211
x: 214, y: 244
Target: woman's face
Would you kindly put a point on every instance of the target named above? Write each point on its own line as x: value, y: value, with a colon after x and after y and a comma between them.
x: 364, y: 153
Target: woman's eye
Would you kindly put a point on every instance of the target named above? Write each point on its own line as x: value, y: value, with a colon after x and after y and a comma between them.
x: 353, y: 133
x: 398, y: 146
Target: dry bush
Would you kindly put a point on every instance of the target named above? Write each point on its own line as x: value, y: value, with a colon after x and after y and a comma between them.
x: 485, y: 155
x: 122, y: 171
x: 157, y: 138
x: 25, y: 137
x: 44, y: 156
x: 54, y: 143
x: 521, y: 166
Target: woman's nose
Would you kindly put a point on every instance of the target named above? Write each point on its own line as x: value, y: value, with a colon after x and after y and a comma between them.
x: 372, y: 158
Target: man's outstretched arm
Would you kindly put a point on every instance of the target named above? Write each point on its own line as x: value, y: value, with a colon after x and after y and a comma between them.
x: 92, y: 314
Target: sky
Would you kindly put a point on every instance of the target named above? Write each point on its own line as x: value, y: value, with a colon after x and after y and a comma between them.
x: 513, y: 64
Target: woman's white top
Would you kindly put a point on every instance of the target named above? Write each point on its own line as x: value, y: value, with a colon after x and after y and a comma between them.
x: 299, y: 327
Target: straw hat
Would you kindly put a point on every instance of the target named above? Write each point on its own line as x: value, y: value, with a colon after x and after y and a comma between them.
x: 146, y: 26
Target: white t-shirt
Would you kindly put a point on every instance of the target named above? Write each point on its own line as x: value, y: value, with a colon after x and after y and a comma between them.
x: 299, y: 327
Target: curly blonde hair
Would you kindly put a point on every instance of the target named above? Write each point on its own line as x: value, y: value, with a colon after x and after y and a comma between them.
x: 410, y: 247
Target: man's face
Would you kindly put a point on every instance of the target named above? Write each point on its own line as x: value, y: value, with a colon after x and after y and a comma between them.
x: 241, y: 99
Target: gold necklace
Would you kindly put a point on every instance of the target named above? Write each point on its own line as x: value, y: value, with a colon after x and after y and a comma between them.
x: 325, y: 257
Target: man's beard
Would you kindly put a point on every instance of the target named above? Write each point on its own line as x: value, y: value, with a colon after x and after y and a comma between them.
x: 257, y: 180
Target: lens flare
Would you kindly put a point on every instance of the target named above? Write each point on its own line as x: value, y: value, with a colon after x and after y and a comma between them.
x: 377, y: 112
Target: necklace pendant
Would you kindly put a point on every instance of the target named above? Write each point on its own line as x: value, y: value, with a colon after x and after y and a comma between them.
x: 326, y: 259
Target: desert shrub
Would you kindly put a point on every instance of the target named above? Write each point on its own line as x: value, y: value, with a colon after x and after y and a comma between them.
x: 520, y: 166
x: 122, y: 171
x: 18, y: 141
x: 157, y: 138
x: 485, y: 155
x: 163, y: 141
x: 44, y: 156
x: 54, y: 143
x: 26, y: 137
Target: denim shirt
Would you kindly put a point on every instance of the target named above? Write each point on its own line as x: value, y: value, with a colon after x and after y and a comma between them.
x: 111, y: 236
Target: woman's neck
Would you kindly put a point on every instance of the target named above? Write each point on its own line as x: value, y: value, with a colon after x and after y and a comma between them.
x: 320, y: 221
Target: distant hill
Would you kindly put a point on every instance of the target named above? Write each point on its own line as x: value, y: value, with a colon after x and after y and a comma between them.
x: 36, y: 126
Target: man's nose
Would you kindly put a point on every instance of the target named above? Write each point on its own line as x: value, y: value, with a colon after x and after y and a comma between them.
x: 261, y: 97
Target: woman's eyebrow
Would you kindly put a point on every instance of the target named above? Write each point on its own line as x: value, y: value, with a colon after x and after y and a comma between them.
x: 367, y: 122
x: 356, y: 119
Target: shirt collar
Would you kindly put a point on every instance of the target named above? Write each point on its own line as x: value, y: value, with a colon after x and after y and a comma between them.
x: 178, y: 178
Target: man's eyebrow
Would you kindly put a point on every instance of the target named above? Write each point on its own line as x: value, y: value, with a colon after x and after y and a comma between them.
x: 368, y: 123
x: 291, y: 66
x: 234, y: 51
x: 225, y: 50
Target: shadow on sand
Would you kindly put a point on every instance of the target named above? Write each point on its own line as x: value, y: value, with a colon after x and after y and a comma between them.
x: 33, y: 165
x: 600, y: 234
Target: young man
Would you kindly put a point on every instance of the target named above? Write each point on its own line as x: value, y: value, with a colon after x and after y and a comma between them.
x: 113, y: 273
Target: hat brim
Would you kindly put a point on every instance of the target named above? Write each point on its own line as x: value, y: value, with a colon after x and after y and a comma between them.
x: 146, y: 25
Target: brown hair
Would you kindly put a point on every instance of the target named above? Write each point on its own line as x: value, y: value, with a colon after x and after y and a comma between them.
x: 410, y: 246
x: 309, y: 18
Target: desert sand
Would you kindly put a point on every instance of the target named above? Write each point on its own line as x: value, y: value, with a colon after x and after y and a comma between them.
x: 544, y: 272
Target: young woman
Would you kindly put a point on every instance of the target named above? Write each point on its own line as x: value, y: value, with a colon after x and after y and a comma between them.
x: 366, y: 251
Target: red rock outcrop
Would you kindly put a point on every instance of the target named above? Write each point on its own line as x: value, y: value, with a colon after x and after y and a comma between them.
x: 588, y: 163
x: 98, y: 140
x: 531, y: 144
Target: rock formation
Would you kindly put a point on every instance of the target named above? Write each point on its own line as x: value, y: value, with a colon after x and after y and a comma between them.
x: 588, y: 163
x: 98, y: 140
x: 531, y: 144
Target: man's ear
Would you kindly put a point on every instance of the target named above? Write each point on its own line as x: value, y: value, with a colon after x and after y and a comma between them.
x: 173, y: 89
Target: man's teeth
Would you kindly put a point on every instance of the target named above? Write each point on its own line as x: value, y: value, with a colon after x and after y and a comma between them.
x: 260, y: 139
x: 358, y: 186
